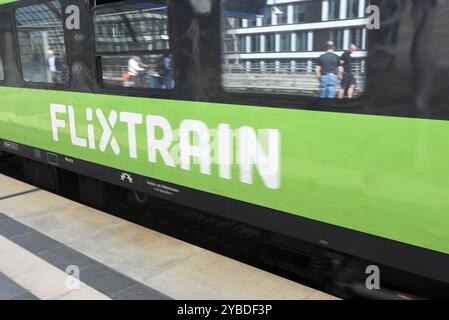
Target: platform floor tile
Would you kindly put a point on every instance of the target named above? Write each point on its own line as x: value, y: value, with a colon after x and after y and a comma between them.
x: 121, y: 260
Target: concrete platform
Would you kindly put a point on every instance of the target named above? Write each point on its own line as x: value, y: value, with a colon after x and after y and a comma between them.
x: 41, y: 234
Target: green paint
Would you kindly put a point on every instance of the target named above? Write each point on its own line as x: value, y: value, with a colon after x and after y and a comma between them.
x: 385, y: 176
x: 7, y: 1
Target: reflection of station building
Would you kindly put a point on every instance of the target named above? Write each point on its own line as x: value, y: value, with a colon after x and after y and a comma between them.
x: 145, y: 28
x: 136, y: 30
x: 287, y: 36
x: 39, y: 29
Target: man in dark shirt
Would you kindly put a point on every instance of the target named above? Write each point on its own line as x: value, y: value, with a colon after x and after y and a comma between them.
x: 327, y: 70
x: 348, y: 82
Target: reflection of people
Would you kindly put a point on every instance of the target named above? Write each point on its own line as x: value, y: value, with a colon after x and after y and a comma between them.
x: 154, y: 79
x: 54, y: 67
x: 327, y: 70
x: 136, y: 71
x: 166, y: 71
x: 348, y: 82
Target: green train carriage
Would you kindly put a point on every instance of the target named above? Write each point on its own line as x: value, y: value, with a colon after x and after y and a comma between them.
x: 222, y: 113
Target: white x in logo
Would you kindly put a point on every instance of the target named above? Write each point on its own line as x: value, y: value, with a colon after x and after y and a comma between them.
x: 107, y: 131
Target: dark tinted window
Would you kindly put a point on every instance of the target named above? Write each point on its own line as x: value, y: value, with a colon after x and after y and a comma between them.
x: 412, y: 49
x: 132, y: 42
x: 333, y: 9
x: 41, y: 43
x: 301, y: 41
x: 2, y: 73
x: 280, y: 52
x: 134, y: 27
x: 353, y: 8
x: 298, y: 13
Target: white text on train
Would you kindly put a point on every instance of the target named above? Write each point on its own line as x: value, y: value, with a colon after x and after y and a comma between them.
x: 192, y: 143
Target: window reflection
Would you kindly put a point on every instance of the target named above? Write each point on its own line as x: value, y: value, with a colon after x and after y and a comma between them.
x: 148, y: 71
x: 2, y: 73
x: 287, y: 48
x: 133, y: 45
x: 41, y: 43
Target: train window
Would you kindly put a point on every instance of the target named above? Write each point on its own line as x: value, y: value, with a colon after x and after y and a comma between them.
x: 41, y: 43
x: 303, y: 47
x: 133, y: 46
x: 2, y: 73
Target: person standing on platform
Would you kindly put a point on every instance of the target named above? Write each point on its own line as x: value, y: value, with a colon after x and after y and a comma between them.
x: 348, y: 82
x: 327, y: 71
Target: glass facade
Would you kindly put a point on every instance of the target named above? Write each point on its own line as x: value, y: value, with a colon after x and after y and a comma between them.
x: 298, y: 13
x: 270, y: 42
x: 285, y: 41
x: 352, y: 9
x: 334, y: 10
x: 255, y: 43
x: 301, y: 41
x: 357, y: 37
x: 281, y: 12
